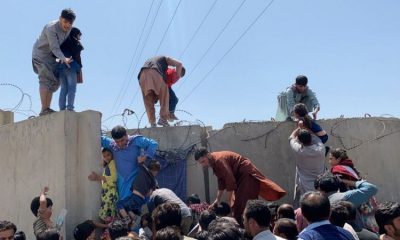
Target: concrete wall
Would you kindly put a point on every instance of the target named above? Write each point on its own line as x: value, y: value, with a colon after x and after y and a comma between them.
x: 6, y: 117
x: 373, y: 144
x: 60, y: 150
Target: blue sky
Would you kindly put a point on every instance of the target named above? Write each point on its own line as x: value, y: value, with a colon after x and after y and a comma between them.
x: 348, y: 49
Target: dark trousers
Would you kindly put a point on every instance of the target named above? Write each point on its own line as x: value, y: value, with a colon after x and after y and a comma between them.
x: 173, y: 100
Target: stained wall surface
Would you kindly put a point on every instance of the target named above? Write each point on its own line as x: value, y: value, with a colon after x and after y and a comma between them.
x: 372, y: 143
x: 58, y: 151
x: 61, y: 149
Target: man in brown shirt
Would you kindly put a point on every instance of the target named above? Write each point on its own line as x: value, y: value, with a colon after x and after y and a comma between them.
x: 240, y: 178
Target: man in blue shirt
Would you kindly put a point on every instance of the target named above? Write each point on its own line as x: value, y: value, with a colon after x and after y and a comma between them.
x: 360, y: 193
x: 316, y: 209
x: 128, y: 152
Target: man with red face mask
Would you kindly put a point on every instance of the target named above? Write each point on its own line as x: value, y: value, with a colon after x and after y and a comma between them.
x: 43, y: 61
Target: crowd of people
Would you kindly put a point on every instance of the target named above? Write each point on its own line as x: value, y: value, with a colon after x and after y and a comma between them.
x: 329, y: 203
x: 333, y: 202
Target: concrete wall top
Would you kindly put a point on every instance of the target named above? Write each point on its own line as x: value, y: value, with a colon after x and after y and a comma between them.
x: 371, y: 142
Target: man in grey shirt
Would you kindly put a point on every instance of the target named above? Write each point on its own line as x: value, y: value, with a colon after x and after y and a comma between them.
x: 45, y: 51
x: 310, y: 161
x: 165, y: 195
x: 299, y: 92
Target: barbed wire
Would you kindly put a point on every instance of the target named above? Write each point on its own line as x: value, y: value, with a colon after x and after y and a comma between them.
x: 361, y: 141
x: 16, y: 108
x: 124, y: 118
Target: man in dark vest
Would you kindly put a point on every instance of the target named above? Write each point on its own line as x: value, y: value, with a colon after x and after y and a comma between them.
x: 152, y: 79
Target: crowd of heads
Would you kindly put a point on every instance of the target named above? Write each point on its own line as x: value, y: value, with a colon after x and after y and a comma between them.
x: 216, y: 223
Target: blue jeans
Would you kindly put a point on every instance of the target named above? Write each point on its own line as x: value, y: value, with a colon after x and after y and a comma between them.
x: 173, y: 100
x: 67, y: 78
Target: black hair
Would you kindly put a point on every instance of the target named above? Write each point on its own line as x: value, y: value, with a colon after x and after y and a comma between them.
x: 103, y: 150
x: 202, y: 235
x: 6, y: 225
x: 222, y: 209
x: 118, y: 132
x: 300, y: 109
x: 339, y: 214
x: 222, y: 229
x: 84, y: 230
x: 286, y: 226
x: 350, y: 209
x: 205, y: 218
x: 35, y: 204
x: 339, y: 153
x: 385, y: 213
x: 68, y: 14
x: 301, y: 80
x: 169, y: 233
x: 305, y: 137
x: 193, y: 199
x: 259, y: 211
x: 183, y: 71
x: 146, y: 217
x: 154, y: 165
x: 201, y: 152
x: 273, y: 209
x: 327, y: 182
x: 75, y: 32
x: 315, y: 206
x: 49, y: 234
x: 286, y: 211
x: 167, y: 214
x: 20, y: 235
x: 118, y: 229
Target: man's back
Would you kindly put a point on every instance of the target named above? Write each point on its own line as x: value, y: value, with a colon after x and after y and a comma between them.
x: 163, y: 195
x: 326, y: 232
x: 309, y: 161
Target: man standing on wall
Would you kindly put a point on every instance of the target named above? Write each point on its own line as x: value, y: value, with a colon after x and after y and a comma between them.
x: 240, y: 178
x: 152, y: 79
x: 43, y: 61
